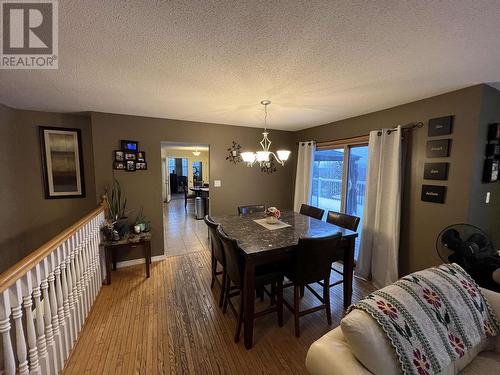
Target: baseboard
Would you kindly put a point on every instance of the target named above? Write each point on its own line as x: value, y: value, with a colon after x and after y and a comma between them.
x: 133, y: 262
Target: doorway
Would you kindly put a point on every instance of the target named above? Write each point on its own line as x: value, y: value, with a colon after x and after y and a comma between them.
x: 185, y: 173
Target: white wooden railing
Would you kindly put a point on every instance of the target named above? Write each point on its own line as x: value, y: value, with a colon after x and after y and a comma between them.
x: 46, y: 297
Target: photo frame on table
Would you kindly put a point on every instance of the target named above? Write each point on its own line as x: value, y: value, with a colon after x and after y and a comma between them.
x: 62, y: 162
x: 141, y: 156
x: 439, y: 148
x: 130, y: 165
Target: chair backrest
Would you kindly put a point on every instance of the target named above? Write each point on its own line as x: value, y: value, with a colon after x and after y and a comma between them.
x: 233, y: 256
x: 343, y: 220
x: 215, y: 240
x: 312, y: 211
x: 250, y: 209
x: 314, y: 258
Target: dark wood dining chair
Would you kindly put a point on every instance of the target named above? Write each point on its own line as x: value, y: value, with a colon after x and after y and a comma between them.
x: 188, y: 196
x: 346, y: 221
x: 217, y: 257
x: 250, y: 209
x: 312, y: 211
x: 235, y: 264
x: 311, y: 263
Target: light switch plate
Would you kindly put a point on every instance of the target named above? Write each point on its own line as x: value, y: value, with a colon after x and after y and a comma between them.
x: 217, y: 183
x: 487, y: 197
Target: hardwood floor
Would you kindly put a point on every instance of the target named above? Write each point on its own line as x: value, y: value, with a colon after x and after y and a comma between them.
x: 171, y: 323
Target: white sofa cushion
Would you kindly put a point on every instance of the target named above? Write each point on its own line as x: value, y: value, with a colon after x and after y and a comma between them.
x: 369, y: 343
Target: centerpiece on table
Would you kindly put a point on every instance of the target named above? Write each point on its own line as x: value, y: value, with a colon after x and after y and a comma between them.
x: 272, y: 215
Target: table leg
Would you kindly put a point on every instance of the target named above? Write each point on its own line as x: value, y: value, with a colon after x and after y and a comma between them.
x: 107, y: 261
x: 147, y: 256
x: 348, y: 271
x: 248, y: 302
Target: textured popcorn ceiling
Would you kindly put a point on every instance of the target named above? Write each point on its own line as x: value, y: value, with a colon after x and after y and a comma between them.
x: 318, y: 61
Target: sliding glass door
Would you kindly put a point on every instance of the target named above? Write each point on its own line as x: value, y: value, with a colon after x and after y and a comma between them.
x: 339, y: 178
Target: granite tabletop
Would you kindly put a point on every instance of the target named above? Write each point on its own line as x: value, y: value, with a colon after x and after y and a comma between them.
x: 130, y: 238
x: 254, y: 238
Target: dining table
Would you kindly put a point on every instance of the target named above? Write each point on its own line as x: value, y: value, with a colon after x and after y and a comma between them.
x: 260, y: 245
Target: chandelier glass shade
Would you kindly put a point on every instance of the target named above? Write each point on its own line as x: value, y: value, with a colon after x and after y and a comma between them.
x: 263, y: 156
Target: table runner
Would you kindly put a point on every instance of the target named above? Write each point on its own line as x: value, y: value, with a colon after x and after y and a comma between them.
x: 277, y: 225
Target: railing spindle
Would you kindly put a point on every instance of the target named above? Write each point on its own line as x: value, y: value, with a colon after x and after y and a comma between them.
x: 8, y: 352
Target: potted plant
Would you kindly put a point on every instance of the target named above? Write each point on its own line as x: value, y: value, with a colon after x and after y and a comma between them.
x: 140, y: 222
x: 116, y: 209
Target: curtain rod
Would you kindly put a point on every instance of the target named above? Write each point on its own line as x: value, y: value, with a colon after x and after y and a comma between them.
x: 409, y: 126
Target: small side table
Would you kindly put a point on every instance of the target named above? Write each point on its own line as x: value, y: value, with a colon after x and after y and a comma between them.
x: 131, y: 241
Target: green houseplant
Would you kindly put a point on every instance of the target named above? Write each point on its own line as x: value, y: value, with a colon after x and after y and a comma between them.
x: 117, y: 208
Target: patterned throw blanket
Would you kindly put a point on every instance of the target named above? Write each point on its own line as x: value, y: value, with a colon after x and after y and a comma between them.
x: 432, y: 317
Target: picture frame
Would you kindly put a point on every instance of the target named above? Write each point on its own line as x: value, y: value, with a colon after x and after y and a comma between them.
x: 436, y: 171
x: 141, y: 166
x: 439, y: 148
x: 433, y: 193
x: 440, y: 126
x: 130, y: 156
x: 119, y: 155
x: 119, y: 165
x: 62, y: 162
x: 129, y: 145
x: 141, y: 156
x: 130, y: 165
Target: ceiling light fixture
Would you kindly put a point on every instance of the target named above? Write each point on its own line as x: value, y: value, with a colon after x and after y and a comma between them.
x: 196, y: 152
x: 264, y: 156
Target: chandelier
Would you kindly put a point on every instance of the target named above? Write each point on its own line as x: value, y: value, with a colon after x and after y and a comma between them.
x: 196, y: 152
x: 263, y: 157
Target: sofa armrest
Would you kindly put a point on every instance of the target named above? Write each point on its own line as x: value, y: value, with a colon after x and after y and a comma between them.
x: 494, y: 301
x: 331, y: 355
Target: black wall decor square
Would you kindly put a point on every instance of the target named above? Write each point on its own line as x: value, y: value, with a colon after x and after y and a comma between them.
x: 494, y: 132
x: 440, y: 126
x: 491, y: 170
x: 439, y: 148
x: 433, y: 193
x: 436, y: 171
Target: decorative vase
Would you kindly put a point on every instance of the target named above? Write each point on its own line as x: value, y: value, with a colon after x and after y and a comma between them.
x: 143, y: 227
x: 271, y: 219
x: 137, y: 228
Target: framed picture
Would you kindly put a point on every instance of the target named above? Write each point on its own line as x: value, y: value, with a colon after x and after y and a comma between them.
x: 130, y: 156
x: 439, y: 148
x: 120, y: 165
x: 130, y: 165
x: 436, y: 171
x: 140, y: 166
x: 440, y: 126
x: 119, y: 155
x: 130, y: 145
x: 62, y: 162
x: 433, y: 193
x: 141, y: 156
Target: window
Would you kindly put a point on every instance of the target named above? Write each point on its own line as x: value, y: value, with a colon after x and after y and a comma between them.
x: 184, y: 167
x: 339, y: 177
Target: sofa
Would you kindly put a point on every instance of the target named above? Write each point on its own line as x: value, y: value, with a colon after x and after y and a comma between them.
x: 360, y: 347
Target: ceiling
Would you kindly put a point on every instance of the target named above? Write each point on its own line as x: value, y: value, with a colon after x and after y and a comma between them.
x: 213, y: 61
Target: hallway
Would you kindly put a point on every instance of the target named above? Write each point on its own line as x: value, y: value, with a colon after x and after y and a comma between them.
x: 183, y: 233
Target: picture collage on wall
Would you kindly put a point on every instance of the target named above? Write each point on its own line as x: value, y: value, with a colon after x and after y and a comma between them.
x: 437, y: 148
x: 129, y: 158
x: 491, y: 169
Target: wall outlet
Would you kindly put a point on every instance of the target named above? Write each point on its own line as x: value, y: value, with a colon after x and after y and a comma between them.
x: 487, y: 200
x: 217, y: 183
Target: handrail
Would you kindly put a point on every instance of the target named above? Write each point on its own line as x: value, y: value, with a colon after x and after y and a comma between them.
x: 18, y: 270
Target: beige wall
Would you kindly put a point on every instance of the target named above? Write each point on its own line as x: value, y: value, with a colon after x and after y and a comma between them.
x: 485, y: 216
x: 240, y: 184
x: 28, y: 219
x: 422, y: 221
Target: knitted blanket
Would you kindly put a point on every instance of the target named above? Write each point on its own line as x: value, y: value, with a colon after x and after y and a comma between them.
x: 431, y: 317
